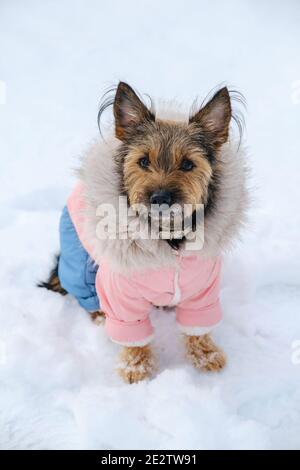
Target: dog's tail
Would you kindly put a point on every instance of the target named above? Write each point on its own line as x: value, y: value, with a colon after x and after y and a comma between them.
x: 53, y: 282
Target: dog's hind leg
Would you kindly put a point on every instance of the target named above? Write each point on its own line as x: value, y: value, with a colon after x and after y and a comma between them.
x: 136, y: 363
x: 204, y: 354
x: 98, y: 317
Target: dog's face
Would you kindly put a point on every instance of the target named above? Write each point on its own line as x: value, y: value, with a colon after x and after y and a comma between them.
x: 169, y: 162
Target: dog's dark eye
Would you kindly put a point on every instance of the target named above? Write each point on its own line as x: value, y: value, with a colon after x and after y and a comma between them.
x: 144, y: 162
x: 186, y: 165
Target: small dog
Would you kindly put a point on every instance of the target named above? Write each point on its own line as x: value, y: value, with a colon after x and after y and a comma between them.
x: 117, y: 272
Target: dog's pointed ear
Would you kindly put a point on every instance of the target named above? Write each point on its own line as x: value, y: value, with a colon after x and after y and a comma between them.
x: 129, y: 111
x: 214, y: 118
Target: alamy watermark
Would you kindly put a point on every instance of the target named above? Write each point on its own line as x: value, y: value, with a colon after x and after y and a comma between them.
x: 296, y: 92
x: 142, y: 222
x: 3, y: 353
x: 2, y: 92
x: 295, y: 357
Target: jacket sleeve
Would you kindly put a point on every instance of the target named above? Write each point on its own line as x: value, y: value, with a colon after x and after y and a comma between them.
x: 76, y: 270
x: 202, y: 312
x: 127, y: 312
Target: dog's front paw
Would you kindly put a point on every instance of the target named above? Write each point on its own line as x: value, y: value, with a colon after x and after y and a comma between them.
x: 204, y: 354
x: 136, y: 364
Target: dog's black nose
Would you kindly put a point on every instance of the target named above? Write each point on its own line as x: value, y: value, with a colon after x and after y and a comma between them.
x: 161, y: 197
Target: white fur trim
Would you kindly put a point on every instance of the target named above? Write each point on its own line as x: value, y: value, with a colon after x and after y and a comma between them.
x: 141, y: 343
x: 221, y: 225
x: 196, y: 330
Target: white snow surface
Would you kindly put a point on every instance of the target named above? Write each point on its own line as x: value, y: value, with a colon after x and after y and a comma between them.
x: 58, y: 387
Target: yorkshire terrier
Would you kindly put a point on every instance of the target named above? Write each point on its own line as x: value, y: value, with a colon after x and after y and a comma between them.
x: 156, y: 205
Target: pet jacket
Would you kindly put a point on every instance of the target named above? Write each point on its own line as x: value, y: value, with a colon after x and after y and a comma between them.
x: 191, y: 285
x: 76, y: 269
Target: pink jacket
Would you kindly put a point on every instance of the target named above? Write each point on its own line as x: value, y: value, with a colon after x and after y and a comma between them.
x: 191, y: 287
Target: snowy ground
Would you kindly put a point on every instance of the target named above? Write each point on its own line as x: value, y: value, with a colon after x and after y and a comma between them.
x: 58, y: 389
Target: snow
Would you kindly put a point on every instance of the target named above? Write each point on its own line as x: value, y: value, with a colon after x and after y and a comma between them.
x: 58, y: 386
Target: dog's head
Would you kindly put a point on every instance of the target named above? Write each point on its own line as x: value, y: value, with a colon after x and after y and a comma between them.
x: 168, y: 162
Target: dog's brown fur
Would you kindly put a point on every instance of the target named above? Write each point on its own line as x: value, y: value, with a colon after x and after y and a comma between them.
x: 53, y: 282
x: 136, y: 364
x: 98, y: 317
x: 166, y: 145
x: 204, y: 354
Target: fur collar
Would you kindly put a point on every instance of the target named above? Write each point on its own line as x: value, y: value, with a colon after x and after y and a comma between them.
x: 221, y: 225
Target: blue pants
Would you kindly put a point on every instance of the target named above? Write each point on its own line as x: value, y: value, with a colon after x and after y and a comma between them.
x: 76, y: 270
